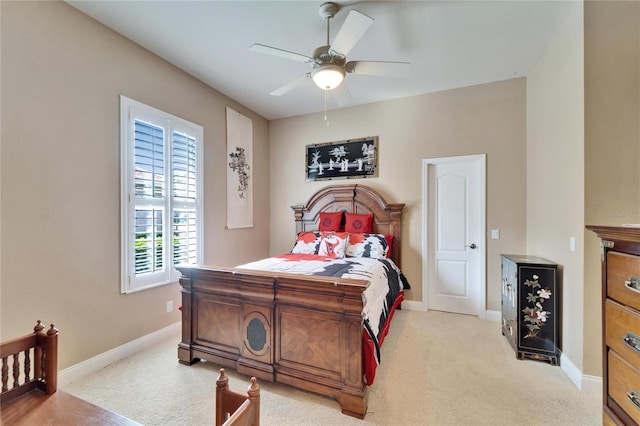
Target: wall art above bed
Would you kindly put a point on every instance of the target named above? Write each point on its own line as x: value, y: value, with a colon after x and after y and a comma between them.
x: 348, y: 159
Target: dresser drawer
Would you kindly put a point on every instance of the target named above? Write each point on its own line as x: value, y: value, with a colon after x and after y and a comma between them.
x: 623, y: 331
x: 623, y: 278
x: 607, y: 420
x: 624, y: 385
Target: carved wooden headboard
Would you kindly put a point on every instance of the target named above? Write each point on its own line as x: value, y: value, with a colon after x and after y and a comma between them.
x: 358, y: 199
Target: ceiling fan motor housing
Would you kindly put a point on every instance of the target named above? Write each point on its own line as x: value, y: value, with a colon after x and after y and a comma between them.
x: 328, y: 10
x: 322, y: 56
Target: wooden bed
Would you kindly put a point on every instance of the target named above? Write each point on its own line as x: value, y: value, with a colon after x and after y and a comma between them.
x: 305, y: 331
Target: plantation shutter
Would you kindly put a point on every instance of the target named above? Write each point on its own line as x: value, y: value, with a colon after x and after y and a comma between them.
x: 161, y: 186
x: 149, y: 182
x: 185, y: 194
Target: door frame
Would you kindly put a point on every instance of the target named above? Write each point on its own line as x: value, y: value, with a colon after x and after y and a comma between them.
x: 482, y: 158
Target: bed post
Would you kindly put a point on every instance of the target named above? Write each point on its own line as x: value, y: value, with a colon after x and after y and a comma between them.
x: 297, y: 214
x: 354, y: 396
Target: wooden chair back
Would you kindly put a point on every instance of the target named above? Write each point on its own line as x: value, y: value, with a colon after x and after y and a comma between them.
x: 34, y: 363
x: 236, y: 409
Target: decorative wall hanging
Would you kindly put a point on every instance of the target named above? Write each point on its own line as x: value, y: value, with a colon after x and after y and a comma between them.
x: 239, y: 170
x: 349, y: 159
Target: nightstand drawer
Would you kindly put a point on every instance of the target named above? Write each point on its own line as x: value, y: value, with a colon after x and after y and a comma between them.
x: 623, y: 331
x: 623, y: 278
x: 623, y: 385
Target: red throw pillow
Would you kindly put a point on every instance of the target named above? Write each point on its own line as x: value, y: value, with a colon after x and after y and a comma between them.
x: 358, y: 223
x: 330, y: 221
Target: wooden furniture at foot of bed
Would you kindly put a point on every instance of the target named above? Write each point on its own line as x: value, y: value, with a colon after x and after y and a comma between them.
x: 304, y: 331
x: 31, y: 395
x: 236, y: 409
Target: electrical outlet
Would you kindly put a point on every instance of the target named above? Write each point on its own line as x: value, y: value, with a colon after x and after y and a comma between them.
x: 170, y: 306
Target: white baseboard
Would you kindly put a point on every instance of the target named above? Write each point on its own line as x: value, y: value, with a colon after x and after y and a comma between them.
x: 495, y: 316
x: 592, y: 385
x: 587, y: 384
x: 413, y: 305
x: 573, y: 373
x: 98, y: 362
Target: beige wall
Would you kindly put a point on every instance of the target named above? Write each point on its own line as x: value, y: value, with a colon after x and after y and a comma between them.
x: 555, y: 170
x: 62, y: 74
x: 612, y: 142
x: 488, y: 118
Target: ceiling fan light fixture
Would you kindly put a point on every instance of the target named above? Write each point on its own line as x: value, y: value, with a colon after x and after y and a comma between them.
x: 328, y: 77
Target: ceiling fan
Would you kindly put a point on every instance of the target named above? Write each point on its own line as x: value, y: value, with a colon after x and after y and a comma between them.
x: 329, y: 62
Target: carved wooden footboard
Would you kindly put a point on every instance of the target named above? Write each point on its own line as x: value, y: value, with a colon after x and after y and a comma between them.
x: 305, y: 331
x: 309, y: 327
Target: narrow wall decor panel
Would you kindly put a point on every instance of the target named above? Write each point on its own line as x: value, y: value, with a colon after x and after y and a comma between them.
x: 239, y: 170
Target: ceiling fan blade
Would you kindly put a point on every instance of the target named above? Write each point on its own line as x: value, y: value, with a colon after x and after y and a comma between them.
x: 342, y: 94
x: 290, y: 86
x: 353, y: 28
x: 377, y: 67
x: 261, y: 48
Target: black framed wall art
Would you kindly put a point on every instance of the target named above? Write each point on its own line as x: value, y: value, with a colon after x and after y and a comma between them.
x: 348, y: 159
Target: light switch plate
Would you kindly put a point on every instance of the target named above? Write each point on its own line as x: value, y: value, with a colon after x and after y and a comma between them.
x: 495, y: 234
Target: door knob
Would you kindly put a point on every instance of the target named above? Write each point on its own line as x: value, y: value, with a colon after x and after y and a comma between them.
x: 472, y: 246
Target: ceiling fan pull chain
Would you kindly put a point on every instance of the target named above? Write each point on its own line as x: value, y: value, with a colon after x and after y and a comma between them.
x: 326, y: 96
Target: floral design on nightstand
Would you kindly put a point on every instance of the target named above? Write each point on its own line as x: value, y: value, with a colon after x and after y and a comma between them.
x: 535, y: 315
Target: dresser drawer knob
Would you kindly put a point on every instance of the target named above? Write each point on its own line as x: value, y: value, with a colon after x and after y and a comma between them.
x: 633, y: 284
x: 634, y: 397
x: 632, y: 341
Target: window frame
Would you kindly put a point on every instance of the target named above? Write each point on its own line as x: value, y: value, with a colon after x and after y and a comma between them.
x: 130, y: 111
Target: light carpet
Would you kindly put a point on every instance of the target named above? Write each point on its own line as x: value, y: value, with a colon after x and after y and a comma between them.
x: 437, y: 369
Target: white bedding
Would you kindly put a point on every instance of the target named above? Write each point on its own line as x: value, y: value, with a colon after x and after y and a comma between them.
x: 385, y: 279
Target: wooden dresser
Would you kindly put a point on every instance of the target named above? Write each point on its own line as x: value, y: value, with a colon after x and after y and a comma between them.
x: 621, y: 323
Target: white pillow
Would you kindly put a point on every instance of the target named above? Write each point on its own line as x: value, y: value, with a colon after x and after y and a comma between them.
x: 367, y: 245
x: 307, y: 242
x: 332, y: 244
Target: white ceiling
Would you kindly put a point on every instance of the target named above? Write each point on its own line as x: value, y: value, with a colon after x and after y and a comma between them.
x: 448, y: 43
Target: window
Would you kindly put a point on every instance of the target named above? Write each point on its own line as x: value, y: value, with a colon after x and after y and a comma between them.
x: 161, y: 181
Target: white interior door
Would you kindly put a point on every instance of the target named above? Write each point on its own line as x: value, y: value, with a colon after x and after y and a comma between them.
x: 454, y: 224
